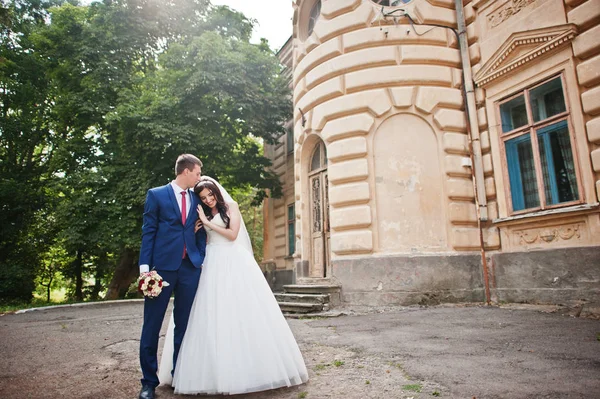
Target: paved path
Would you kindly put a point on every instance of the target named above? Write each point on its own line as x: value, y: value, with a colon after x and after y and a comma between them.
x: 447, y: 352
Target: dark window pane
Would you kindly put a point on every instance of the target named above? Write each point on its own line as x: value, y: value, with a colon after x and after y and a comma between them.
x: 316, y: 204
x: 547, y: 100
x: 291, y: 230
x: 391, y: 2
x: 513, y: 114
x: 291, y: 239
x: 315, y: 11
x: 521, y: 173
x: 315, y: 163
x: 558, y: 168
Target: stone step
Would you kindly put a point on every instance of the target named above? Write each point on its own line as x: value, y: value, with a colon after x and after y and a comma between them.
x: 314, y: 281
x: 311, y: 289
x: 300, y: 307
x: 303, y: 298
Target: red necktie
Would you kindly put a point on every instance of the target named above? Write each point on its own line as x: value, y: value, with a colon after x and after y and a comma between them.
x: 183, y: 217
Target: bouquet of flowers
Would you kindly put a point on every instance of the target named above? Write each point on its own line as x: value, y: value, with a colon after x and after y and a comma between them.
x: 151, y: 284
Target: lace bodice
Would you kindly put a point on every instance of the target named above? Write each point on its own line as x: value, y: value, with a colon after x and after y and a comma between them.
x: 213, y: 236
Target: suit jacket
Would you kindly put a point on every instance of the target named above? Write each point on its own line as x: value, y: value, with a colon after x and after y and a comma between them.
x: 163, y: 234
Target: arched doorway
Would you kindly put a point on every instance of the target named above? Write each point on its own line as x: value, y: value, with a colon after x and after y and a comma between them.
x: 409, y: 186
x: 319, y: 210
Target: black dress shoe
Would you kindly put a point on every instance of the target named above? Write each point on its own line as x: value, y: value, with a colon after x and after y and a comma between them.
x: 147, y: 392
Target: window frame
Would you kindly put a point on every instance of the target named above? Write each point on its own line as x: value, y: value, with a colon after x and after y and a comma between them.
x: 378, y: 2
x: 291, y: 222
x: 313, y: 17
x: 531, y: 129
x: 322, y: 158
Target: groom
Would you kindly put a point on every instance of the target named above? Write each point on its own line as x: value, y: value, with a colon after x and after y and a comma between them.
x: 170, y: 246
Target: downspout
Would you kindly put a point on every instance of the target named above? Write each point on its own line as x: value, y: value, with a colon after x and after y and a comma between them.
x: 474, y: 140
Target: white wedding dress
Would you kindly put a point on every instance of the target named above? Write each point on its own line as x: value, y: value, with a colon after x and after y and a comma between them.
x: 237, y: 340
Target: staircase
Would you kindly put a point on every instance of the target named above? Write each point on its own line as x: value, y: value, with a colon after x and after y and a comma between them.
x: 309, y: 296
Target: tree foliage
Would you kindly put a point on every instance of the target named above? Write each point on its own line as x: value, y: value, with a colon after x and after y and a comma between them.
x: 96, y: 102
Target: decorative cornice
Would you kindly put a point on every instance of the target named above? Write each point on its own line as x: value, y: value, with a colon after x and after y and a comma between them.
x: 542, y: 41
x: 477, y: 4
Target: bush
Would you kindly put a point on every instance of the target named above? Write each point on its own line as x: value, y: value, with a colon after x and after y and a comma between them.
x: 17, y: 279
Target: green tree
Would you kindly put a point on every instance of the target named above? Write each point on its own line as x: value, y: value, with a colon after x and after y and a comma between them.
x: 96, y: 102
x: 213, y: 94
x: 25, y: 133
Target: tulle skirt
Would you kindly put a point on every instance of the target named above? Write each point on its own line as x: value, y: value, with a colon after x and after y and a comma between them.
x: 237, y: 340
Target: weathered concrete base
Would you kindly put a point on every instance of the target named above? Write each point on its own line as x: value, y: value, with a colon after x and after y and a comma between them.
x: 406, y: 280
x: 302, y: 269
x: 557, y: 276
x: 278, y: 278
x: 568, y: 276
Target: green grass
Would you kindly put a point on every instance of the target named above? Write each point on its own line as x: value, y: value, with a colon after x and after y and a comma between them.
x: 367, y: 382
x: 338, y: 363
x: 436, y: 393
x: 13, y: 306
x: 412, y: 387
x: 302, y: 395
x: 320, y: 366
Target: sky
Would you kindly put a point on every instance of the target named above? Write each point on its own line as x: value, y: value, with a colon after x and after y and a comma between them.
x: 274, y: 18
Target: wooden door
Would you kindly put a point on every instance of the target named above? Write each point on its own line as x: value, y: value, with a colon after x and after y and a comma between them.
x: 319, y: 208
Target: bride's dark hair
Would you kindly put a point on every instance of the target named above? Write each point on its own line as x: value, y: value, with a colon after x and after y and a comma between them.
x: 221, y: 205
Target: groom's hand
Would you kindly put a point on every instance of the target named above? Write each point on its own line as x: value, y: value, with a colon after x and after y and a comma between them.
x: 198, y: 225
x: 144, y: 274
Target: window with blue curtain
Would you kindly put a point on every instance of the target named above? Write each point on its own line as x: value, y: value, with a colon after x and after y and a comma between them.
x: 538, y: 148
x: 560, y: 181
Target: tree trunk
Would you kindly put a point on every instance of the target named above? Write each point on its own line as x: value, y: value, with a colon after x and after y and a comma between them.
x: 48, y: 291
x: 124, y: 274
x: 99, y: 275
x: 79, y: 276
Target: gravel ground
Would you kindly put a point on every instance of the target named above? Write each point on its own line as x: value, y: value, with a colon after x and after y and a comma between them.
x: 457, y: 351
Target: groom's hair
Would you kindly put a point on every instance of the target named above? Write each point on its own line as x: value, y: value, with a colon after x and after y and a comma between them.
x: 186, y: 161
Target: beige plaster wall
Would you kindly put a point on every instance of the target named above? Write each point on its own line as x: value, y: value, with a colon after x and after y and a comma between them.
x: 495, y: 22
x: 387, y: 103
x: 275, y: 248
x: 586, y: 49
x: 275, y: 209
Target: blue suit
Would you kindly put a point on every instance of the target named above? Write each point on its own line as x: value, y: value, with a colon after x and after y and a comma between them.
x: 163, y: 239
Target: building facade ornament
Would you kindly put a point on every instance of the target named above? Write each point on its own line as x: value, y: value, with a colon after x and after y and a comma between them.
x: 507, y: 11
x: 521, y: 48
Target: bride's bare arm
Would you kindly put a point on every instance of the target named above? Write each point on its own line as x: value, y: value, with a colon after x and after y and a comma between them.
x: 235, y: 217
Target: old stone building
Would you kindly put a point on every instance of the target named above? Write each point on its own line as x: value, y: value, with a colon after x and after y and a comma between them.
x: 402, y: 184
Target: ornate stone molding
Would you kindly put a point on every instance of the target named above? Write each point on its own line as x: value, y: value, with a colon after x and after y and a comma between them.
x: 547, y: 235
x: 507, y: 11
x: 478, y: 4
x: 522, y: 48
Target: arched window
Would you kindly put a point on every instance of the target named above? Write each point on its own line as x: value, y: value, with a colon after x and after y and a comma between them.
x: 318, y: 160
x: 391, y: 2
x: 315, y: 11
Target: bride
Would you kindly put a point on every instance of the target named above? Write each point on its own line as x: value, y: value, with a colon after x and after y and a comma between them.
x: 237, y: 340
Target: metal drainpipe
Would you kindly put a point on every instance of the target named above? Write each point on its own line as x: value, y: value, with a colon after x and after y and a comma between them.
x: 474, y: 141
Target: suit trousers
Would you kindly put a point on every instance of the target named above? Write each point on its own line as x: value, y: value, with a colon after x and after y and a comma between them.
x: 184, y: 283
